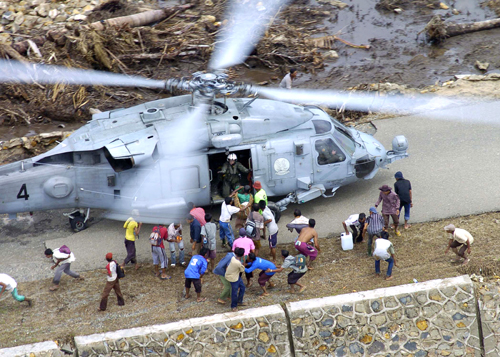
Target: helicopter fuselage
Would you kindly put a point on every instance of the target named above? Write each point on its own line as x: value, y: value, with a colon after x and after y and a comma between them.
x: 131, y: 159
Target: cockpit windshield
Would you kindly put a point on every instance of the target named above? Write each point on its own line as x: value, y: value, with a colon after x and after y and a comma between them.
x: 343, y: 136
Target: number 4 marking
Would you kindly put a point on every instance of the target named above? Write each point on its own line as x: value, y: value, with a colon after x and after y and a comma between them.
x: 23, y: 192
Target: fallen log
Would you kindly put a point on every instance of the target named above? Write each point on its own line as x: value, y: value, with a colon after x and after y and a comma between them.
x: 437, y: 30
x: 135, y: 20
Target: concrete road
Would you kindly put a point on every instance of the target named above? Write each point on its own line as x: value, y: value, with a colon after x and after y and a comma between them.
x: 453, y: 168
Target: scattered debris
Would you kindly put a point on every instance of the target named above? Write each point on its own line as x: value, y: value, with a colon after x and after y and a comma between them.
x: 483, y: 66
x: 437, y: 30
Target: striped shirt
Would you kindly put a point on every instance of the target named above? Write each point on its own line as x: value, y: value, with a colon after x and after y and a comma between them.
x: 375, y: 223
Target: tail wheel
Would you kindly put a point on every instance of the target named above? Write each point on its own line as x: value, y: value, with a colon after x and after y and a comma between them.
x: 78, y: 223
x: 276, y: 211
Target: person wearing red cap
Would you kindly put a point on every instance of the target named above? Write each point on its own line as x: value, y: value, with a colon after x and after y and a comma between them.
x: 260, y: 194
x: 112, y: 283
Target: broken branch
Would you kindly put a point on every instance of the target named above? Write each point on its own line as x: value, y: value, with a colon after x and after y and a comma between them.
x: 437, y: 30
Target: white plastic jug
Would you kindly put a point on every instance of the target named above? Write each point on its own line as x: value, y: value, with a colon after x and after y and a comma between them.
x: 347, y: 243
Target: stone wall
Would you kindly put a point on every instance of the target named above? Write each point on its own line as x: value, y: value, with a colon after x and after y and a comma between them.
x: 489, y: 306
x: 252, y: 332
x: 432, y: 318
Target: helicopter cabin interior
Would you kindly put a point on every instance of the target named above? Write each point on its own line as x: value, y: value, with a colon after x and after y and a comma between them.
x: 216, y: 160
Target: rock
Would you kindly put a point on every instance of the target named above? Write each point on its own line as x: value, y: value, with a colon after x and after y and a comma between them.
x: 88, y: 9
x: 80, y: 17
x: 5, y: 38
x: 335, y: 3
x: 15, y: 28
x: 279, y: 39
x: 332, y: 54
x: 207, y: 18
x: 455, y: 12
x: 3, y: 5
x: 483, y: 66
x: 443, y: 6
x: 209, y: 3
x: 29, y: 21
x: 43, y: 10
x: 9, y: 16
x: 398, y: 10
x: 53, y: 13
x: 35, y: 3
x: 62, y: 17
x: 19, y: 18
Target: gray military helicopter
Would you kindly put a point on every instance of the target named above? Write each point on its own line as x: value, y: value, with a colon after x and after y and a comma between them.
x: 159, y: 156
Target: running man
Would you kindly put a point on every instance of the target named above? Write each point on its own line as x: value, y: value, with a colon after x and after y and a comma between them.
x: 304, y: 244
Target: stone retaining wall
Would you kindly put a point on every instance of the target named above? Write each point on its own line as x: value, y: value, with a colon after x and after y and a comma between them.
x: 432, y: 318
x: 252, y: 332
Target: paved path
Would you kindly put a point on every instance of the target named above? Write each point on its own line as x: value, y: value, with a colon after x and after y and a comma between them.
x: 453, y: 168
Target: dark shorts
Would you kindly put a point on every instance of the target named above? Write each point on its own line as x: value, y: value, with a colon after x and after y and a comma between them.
x: 212, y: 254
x: 273, y: 240
x: 264, y: 278
x: 257, y: 244
x: 196, y: 282
x: 293, y: 277
x: 197, y: 240
x: 455, y: 244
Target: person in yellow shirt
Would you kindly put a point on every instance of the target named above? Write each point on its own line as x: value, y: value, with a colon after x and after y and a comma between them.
x: 132, y: 229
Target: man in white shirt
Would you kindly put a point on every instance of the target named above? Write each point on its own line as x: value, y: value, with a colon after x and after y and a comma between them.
x: 112, y: 283
x: 175, y: 237
x: 272, y: 228
x: 384, y: 250
x: 286, y: 82
x: 225, y: 229
x: 7, y: 283
x: 63, y: 258
x: 459, y: 238
x: 357, y: 223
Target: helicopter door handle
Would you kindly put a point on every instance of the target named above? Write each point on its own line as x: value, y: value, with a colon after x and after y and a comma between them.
x: 210, y: 176
x: 250, y: 164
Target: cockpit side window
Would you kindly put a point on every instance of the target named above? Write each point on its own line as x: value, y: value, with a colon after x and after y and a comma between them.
x: 328, y: 152
x: 322, y: 126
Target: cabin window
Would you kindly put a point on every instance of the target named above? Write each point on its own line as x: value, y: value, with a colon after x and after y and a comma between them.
x: 322, y: 126
x: 328, y: 152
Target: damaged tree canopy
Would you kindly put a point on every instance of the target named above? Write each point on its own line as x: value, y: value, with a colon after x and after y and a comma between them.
x: 437, y: 30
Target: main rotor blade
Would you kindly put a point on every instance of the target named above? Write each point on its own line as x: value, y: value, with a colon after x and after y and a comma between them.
x: 247, y: 22
x: 19, y: 72
x: 367, y: 101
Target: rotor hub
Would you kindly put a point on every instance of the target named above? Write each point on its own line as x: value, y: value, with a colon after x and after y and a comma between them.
x: 208, y: 85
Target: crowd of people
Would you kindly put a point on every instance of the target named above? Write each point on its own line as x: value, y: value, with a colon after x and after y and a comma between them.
x: 254, y: 223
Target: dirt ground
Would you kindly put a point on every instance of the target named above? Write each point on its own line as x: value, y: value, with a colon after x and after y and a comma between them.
x: 73, y: 309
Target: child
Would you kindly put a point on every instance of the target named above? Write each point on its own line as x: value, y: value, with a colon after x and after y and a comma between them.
x: 299, y: 268
x: 194, y: 273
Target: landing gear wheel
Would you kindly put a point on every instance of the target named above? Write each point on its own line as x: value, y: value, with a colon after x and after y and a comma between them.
x: 78, y: 223
x: 275, y: 209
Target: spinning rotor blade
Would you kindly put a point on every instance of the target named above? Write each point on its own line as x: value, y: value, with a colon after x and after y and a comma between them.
x: 362, y: 101
x: 19, y: 72
x: 247, y: 22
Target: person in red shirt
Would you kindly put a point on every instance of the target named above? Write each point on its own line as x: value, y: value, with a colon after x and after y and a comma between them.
x: 197, y: 212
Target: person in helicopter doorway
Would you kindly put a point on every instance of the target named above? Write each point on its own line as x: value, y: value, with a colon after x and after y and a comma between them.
x: 231, y: 170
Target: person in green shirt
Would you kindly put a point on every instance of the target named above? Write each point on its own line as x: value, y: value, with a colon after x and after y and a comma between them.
x: 242, y: 200
x: 231, y: 171
x: 260, y: 194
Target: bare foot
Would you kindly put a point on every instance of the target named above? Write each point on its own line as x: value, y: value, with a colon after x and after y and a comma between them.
x: 137, y: 266
x: 187, y: 297
x: 302, y: 289
x: 388, y: 277
x: 222, y: 302
x: 263, y: 295
x: 249, y: 284
x: 242, y: 304
x: 201, y: 299
x: 407, y: 226
x: 234, y: 309
x: 290, y: 291
x: 271, y: 285
x: 465, y: 261
x: 310, y: 268
x: 377, y: 275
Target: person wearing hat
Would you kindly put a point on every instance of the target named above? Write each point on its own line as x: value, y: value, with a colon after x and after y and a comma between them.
x: 390, y: 207
x: 460, y: 238
x: 231, y: 170
x: 112, y: 283
x: 260, y: 194
x: 402, y: 187
x: 374, y: 226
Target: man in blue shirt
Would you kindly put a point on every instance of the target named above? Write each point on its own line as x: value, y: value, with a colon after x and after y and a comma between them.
x: 264, y: 277
x: 220, y: 270
x: 195, y: 231
x: 194, y: 273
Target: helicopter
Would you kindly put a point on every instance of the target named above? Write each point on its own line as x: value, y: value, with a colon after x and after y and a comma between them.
x: 160, y: 157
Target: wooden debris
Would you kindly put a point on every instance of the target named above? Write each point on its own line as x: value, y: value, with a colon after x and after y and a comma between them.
x: 327, y: 42
x: 437, y: 30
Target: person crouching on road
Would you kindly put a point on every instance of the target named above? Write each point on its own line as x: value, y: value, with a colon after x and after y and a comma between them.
x: 63, y: 257
x: 194, y: 273
x: 390, y: 207
x: 9, y: 284
x: 384, y: 250
x: 459, y: 238
x: 112, y: 283
x: 357, y: 224
x: 208, y: 233
x: 265, y: 275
